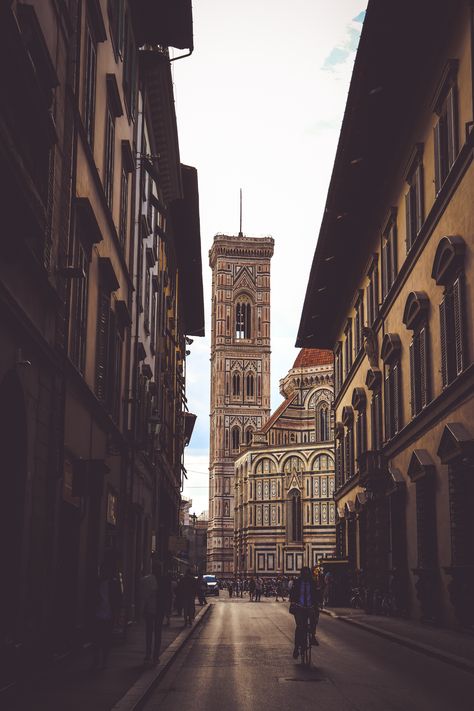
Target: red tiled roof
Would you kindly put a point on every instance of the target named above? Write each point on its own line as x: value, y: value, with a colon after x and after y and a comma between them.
x: 308, y: 357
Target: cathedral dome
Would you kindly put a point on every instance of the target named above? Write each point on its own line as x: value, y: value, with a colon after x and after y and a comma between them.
x: 311, y: 357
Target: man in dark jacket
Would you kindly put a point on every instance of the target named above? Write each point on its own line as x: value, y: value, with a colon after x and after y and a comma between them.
x: 305, y: 598
x: 189, y: 592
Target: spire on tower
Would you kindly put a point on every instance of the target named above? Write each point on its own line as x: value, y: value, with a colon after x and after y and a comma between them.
x: 240, y: 230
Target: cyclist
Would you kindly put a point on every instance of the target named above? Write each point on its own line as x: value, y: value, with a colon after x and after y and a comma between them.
x: 304, y: 598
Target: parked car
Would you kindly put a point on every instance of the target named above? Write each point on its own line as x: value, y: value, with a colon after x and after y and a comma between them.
x: 211, y: 584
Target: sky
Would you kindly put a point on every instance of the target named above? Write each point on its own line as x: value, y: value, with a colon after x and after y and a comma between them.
x: 259, y: 106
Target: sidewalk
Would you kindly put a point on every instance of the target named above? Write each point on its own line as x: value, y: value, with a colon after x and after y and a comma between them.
x: 72, y: 685
x: 456, y: 648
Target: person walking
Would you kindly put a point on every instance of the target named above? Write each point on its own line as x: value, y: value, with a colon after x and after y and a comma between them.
x: 189, y: 592
x: 156, y: 602
x: 230, y: 588
x: 258, y: 589
x: 279, y: 591
x: 202, y: 590
x: 252, y: 587
x: 109, y: 596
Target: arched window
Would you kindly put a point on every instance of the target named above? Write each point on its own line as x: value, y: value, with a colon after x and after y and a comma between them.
x: 295, y: 531
x: 250, y: 385
x: 236, y: 384
x: 248, y: 435
x: 243, y: 315
x: 293, y: 464
x: 235, y: 438
x: 323, y: 422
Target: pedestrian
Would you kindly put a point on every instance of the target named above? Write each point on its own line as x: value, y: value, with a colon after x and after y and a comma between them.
x: 189, y: 592
x: 252, y: 586
x: 156, y: 598
x: 179, y: 596
x: 258, y: 589
x: 108, y: 603
x: 230, y: 588
x: 279, y: 591
x: 202, y: 590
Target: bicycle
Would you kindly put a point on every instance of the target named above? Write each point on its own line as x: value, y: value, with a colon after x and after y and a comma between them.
x: 305, y: 649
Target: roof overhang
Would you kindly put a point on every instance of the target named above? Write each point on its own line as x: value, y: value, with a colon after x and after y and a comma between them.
x: 187, y: 240
x: 393, y: 72
x: 168, y: 23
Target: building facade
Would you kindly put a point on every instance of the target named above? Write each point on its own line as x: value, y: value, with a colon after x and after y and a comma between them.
x: 391, y: 290
x: 284, y: 480
x: 99, y: 290
x: 240, y: 374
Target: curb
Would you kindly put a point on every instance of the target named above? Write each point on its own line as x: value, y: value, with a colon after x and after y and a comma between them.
x: 138, y: 693
x: 453, y: 659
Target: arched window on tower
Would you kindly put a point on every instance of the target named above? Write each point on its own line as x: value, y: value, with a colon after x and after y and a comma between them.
x: 243, y: 315
x: 248, y: 435
x: 236, y: 384
x: 235, y: 438
x: 250, y: 383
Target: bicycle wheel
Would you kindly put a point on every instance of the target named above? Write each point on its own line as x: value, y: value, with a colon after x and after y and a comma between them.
x: 306, y: 650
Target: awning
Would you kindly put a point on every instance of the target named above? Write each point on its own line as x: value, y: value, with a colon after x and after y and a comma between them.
x: 189, y: 422
x: 168, y: 23
x: 187, y: 234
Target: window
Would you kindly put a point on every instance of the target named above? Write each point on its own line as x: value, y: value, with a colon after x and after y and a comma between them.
x: 448, y: 271
x: 373, y: 292
x: 359, y: 323
x: 115, y: 10
x: 423, y: 476
x: 376, y: 419
x: 359, y: 403
x: 348, y: 422
x: 90, y: 84
x: 446, y: 129
x: 339, y: 455
x: 414, y: 203
x: 123, y: 206
x: 146, y: 301
x: 109, y: 155
x: 390, y: 352
x: 415, y: 319
x: 248, y: 436
x: 295, y: 530
x: 250, y: 385
x: 243, y: 313
x: 130, y: 69
x: 102, y: 343
x: 338, y: 368
x: 235, y: 438
x: 236, y: 384
x: 389, y: 254
x: 79, y: 308
x: 323, y: 418
x: 348, y: 347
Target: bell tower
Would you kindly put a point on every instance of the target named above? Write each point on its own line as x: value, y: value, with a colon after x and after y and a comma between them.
x: 240, y: 375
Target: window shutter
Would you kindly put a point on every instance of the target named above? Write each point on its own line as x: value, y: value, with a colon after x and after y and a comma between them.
x: 443, y: 342
x: 414, y: 403
x: 385, y: 273
x: 452, y: 120
x: 387, y: 408
x: 419, y: 197
x: 459, y: 330
x: 437, y: 158
x: 423, y: 366
x: 408, y: 238
x: 101, y: 345
x: 393, y: 254
x: 395, y: 375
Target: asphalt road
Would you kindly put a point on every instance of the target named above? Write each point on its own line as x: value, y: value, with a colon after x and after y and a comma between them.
x: 240, y: 659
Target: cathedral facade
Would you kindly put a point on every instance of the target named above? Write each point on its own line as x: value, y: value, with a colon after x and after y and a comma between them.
x: 284, y: 480
x: 240, y: 375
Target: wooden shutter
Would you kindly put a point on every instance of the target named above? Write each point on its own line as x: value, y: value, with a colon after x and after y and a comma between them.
x: 396, y: 395
x: 101, y: 344
x: 443, y: 342
x: 387, y: 408
x: 408, y: 237
x: 452, y: 121
x: 385, y: 271
x: 414, y: 398
x: 459, y: 330
x: 393, y: 253
x: 418, y: 177
x: 437, y: 158
x: 376, y: 292
x: 423, y: 367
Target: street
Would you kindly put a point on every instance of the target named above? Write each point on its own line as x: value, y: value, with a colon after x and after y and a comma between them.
x: 240, y: 658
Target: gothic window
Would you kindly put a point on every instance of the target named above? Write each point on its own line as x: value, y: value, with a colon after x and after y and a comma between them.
x: 226, y: 438
x: 293, y: 464
x: 390, y: 352
x: 448, y: 271
x: 339, y: 451
x: 414, y: 209
x: 446, y: 130
x: 323, y: 422
x: 248, y: 435
x: 236, y: 384
x: 294, y: 519
x: 250, y: 382
x: 265, y: 466
x: 243, y: 315
x: 235, y: 438
x: 415, y: 319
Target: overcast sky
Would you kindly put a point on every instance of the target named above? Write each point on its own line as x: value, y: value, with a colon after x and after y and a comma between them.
x: 259, y: 106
